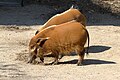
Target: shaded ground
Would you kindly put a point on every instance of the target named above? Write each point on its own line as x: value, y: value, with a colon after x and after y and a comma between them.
x: 18, y: 25
x: 110, y: 5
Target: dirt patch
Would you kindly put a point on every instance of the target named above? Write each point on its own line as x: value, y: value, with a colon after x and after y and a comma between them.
x: 23, y: 56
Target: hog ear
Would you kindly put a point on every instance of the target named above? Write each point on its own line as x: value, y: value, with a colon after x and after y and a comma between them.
x: 37, y: 32
x: 72, y: 6
x: 41, y: 41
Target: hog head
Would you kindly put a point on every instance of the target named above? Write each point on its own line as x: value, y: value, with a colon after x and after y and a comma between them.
x: 36, y: 50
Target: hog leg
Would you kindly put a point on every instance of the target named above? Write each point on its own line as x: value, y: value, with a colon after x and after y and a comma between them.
x: 55, y: 62
x: 42, y: 58
x: 81, y: 57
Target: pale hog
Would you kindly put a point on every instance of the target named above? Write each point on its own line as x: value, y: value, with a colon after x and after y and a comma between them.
x: 68, y: 15
x: 58, y: 39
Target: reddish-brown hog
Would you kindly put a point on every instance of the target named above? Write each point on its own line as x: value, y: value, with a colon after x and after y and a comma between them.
x: 64, y: 38
x: 69, y: 15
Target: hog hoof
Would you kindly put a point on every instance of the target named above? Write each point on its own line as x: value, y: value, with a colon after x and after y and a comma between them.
x: 79, y: 64
x: 56, y: 63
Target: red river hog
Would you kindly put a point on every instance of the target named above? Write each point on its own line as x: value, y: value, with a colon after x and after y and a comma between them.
x: 59, y: 39
x: 68, y: 15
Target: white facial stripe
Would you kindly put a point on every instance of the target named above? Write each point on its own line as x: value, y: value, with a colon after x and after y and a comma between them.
x: 33, y: 49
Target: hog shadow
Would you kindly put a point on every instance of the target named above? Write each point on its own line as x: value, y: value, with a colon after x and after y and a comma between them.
x: 88, y: 62
x: 98, y: 48
x: 92, y: 49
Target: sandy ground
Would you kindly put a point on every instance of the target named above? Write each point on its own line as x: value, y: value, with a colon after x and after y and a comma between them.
x: 18, y: 25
